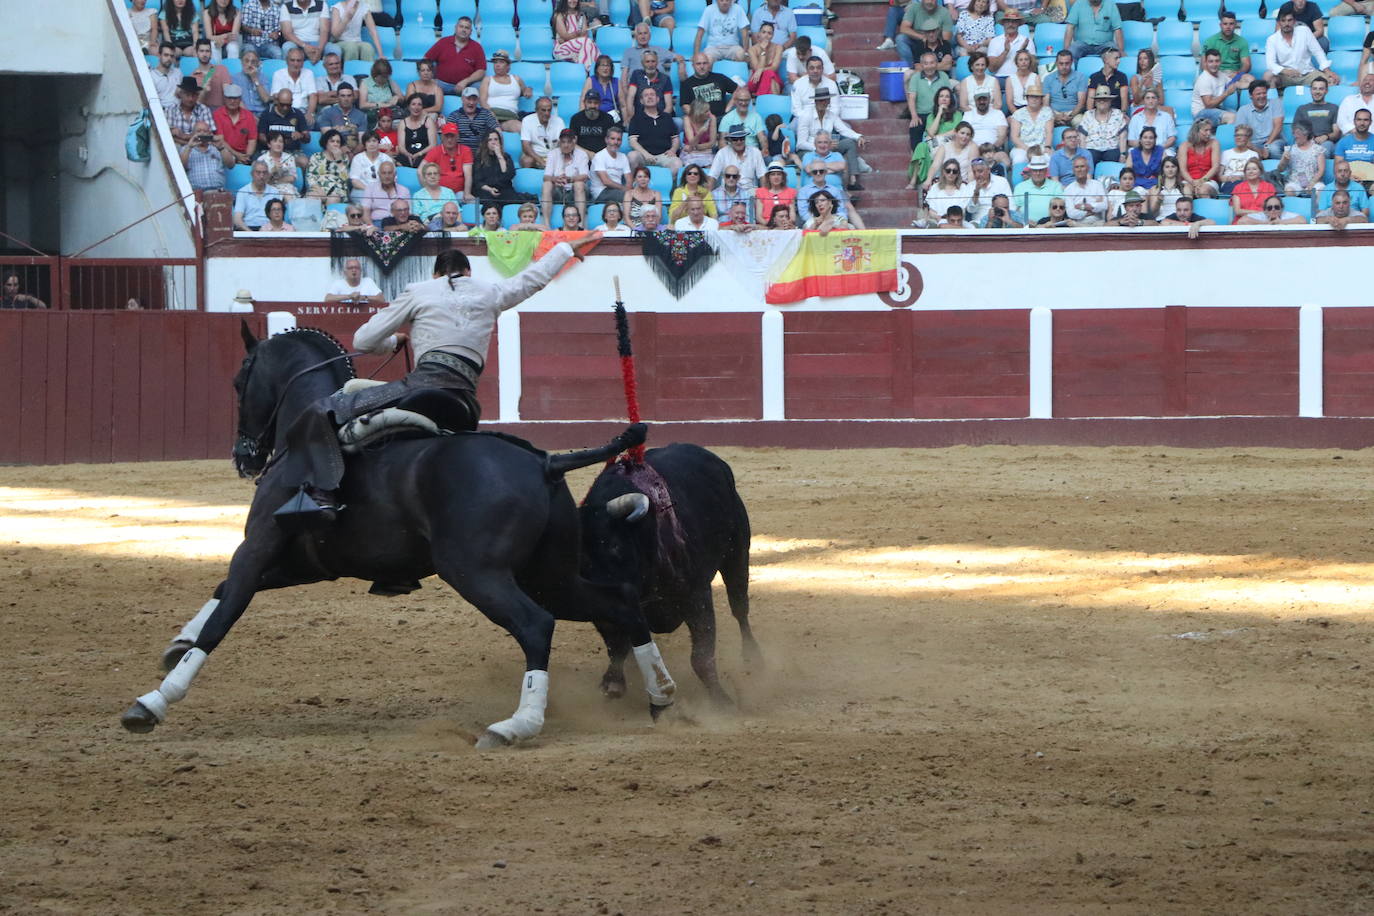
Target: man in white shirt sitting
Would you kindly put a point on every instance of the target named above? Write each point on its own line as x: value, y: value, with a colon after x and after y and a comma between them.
x: 610, y: 170
x: 305, y: 25
x: 353, y: 288
x: 566, y: 175
x: 804, y: 90
x: 1290, y: 52
x: 847, y: 140
x: 1085, y: 195
x: 301, y: 82
x: 696, y: 219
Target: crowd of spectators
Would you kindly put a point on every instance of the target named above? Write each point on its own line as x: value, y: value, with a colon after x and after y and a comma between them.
x: 661, y: 127
x: 1003, y: 138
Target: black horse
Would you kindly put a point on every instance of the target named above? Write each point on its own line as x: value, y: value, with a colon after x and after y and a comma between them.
x: 488, y: 513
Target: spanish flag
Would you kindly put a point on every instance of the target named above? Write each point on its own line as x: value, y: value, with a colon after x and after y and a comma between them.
x: 846, y: 262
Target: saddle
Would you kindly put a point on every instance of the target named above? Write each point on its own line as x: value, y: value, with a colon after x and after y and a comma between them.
x: 384, y: 424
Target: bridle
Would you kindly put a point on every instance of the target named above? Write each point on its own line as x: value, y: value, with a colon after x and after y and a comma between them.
x: 253, y: 446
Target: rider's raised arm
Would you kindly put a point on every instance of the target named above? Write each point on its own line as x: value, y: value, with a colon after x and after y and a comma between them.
x: 377, y: 334
x: 512, y: 292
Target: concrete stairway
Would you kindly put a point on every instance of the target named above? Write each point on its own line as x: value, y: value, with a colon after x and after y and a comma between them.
x: 883, y: 203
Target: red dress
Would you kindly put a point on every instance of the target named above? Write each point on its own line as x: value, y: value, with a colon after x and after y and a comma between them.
x: 1252, y: 200
x: 1197, y: 165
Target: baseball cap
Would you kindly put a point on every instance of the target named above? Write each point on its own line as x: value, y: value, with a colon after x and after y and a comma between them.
x: 233, y: 92
x: 567, y: 133
x: 449, y: 128
x: 471, y: 90
x: 1133, y: 197
x: 591, y: 94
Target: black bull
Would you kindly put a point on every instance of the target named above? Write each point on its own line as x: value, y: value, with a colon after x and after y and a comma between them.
x: 494, y: 519
x: 670, y: 549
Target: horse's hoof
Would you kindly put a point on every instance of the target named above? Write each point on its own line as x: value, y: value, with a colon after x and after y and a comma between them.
x: 490, y: 740
x: 138, y: 719
x: 174, y: 652
x: 656, y: 711
x: 612, y: 689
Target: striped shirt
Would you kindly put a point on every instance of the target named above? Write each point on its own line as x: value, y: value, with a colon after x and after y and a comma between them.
x: 205, y: 168
x: 177, y: 119
x: 474, y: 129
x: 255, y: 17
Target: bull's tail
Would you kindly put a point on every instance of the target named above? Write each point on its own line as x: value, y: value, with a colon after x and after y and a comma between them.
x: 634, y: 435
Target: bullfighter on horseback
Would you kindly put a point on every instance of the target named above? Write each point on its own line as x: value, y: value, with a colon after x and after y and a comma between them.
x: 451, y: 318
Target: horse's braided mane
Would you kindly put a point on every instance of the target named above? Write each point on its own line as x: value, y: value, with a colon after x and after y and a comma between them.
x: 314, y: 334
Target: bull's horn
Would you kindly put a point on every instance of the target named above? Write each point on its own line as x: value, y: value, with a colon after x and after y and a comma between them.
x: 631, y: 507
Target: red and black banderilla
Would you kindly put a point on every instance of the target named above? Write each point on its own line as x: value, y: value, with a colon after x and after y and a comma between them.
x: 627, y: 368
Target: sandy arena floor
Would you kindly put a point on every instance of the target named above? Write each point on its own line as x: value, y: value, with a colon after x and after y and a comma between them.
x: 1000, y: 680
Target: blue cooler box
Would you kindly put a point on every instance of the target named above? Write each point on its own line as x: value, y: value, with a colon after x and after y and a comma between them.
x: 809, y: 15
x: 890, y: 86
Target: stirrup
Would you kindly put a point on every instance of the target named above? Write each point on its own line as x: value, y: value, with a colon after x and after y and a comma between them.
x: 308, y: 505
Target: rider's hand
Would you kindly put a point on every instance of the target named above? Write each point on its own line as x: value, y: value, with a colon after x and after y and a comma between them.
x: 586, y: 241
x: 402, y: 338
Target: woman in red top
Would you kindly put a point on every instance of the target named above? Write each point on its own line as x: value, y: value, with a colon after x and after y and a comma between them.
x: 774, y: 193
x: 1248, y: 196
x: 221, y: 25
x: 1202, y: 161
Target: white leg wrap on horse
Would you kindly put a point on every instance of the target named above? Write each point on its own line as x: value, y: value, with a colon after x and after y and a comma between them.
x: 657, y: 680
x: 528, y: 720
x: 178, y: 680
x: 191, y: 632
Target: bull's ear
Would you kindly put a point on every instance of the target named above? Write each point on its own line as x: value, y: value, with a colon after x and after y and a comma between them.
x: 249, y: 341
x: 631, y: 507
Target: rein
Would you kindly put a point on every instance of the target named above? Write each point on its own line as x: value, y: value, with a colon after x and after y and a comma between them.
x: 256, y: 442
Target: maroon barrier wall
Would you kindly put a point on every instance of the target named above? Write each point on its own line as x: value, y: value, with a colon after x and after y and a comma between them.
x: 119, y: 386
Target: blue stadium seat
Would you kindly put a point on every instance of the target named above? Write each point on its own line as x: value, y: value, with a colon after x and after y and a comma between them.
x: 961, y: 69
x: 1294, y: 96
x: 233, y: 64
x: 535, y: 75
x: 499, y: 37
x: 1207, y: 11
x: 1214, y: 208
x: 1178, y: 72
x: 470, y: 214
x: 188, y: 64
x: 512, y: 145
x: 736, y: 70
x: 819, y: 38
x: 1161, y: 9
x: 780, y: 105
x: 1337, y: 94
x: 270, y: 68
x: 1050, y: 35
x: 1175, y: 39
x: 1226, y: 136
x: 1180, y: 100
x: 1137, y: 36
x: 1345, y: 64
x: 358, y: 68
x: 1107, y: 170
x: 1258, y: 62
x: 688, y: 12
x: 566, y: 79
x: 239, y: 176
x: 529, y: 181
x: 1088, y: 64
x: 620, y: 12
x: 451, y: 104
x: 510, y: 215
x: 660, y: 37
x: 490, y: 12
x: 404, y: 72
x: 683, y: 37
x: 408, y: 178
x: 1346, y: 33
x: 568, y: 105
x: 416, y: 40
x: 311, y: 144
x: 1245, y: 10
x: 661, y: 180
x: 595, y: 215
x: 536, y: 42
x: 1299, y: 205
x: 614, y: 41
x: 1127, y: 65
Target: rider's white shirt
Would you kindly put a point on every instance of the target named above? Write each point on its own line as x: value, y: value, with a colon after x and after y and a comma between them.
x: 459, y: 319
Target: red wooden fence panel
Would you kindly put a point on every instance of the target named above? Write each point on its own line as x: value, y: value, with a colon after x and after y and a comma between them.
x: 1242, y: 362
x: 1348, y: 366
x: 970, y: 364
x: 569, y: 366
x: 842, y: 364
x: 707, y: 367
x: 1113, y: 363
x: 119, y: 386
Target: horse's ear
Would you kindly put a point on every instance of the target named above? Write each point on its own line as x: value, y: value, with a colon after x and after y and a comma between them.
x: 249, y: 341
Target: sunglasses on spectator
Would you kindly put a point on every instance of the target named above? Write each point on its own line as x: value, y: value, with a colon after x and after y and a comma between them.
x: 1269, y: 208
x: 818, y: 171
x: 732, y: 174
x: 953, y: 169
x: 1057, y: 207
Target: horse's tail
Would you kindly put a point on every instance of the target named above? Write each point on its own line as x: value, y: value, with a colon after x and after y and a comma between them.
x: 634, y: 435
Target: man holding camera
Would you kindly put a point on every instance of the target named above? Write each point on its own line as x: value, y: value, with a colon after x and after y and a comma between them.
x: 204, y: 156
